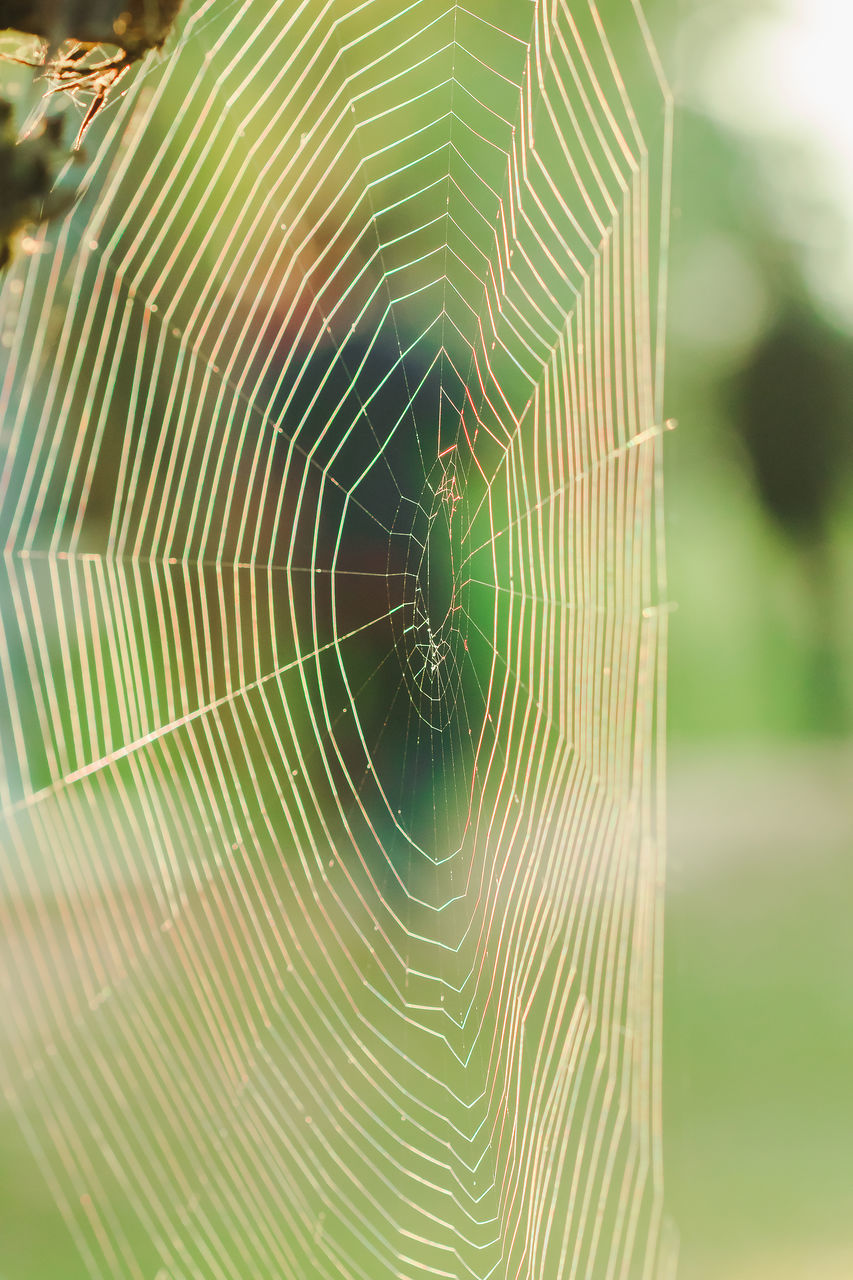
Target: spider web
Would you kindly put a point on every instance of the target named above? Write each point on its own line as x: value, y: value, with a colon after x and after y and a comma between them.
x: 333, y: 636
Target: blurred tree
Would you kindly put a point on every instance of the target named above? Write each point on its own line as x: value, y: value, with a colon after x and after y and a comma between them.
x: 791, y: 404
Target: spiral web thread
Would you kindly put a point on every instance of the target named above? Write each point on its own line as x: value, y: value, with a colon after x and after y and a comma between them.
x: 333, y: 632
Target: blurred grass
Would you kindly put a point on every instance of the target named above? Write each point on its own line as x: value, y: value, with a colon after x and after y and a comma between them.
x: 758, y: 1032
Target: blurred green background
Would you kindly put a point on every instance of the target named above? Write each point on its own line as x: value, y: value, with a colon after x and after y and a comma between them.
x: 758, y: 992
